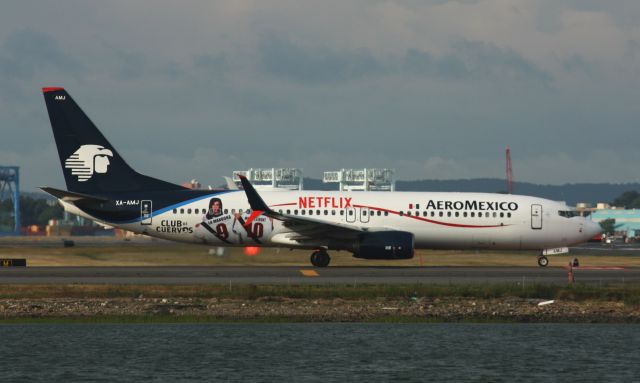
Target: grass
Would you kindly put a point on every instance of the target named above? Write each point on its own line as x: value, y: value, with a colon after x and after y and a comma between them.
x: 630, y: 294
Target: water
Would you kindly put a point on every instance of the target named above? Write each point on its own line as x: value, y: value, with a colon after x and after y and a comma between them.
x: 320, y: 352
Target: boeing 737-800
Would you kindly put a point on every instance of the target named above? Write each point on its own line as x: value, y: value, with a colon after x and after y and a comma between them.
x: 102, y: 187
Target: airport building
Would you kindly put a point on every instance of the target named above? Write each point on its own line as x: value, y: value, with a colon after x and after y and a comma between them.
x: 367, y: 179
x: 627, y: 220
x: 271, y: 178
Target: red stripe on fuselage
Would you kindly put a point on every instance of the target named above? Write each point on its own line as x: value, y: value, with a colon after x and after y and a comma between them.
x: 284, y: 204
x: 430, y: 220
x: 410, y: 216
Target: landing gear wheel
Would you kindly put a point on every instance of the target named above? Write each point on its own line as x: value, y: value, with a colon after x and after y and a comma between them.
x: 543, y: 261
x: 320, y: 258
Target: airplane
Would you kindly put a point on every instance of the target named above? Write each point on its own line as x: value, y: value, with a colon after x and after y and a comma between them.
x: 102, y: 187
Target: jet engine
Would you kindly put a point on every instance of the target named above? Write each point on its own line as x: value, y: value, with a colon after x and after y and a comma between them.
x: 384, y: 245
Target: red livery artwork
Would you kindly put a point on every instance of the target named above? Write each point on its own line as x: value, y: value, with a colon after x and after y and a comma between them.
x: 318, y: 202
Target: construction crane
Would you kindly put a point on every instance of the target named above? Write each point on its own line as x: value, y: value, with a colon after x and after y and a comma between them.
x: 509, y: 172
x: 10, y: 188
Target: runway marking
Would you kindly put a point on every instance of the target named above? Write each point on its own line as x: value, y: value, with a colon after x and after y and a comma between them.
x: 600, y: 268
x: 309, y: 273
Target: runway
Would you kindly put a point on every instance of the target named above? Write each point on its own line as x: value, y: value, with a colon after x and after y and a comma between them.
x: 312, y: 276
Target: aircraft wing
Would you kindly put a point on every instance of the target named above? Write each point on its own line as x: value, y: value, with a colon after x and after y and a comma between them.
x: 301, y: 229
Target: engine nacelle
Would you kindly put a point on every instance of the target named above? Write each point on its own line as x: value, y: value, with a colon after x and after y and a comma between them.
x: 384, y: 245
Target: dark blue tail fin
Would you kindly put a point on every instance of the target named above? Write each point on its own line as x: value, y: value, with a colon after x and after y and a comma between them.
x: 90, y: 163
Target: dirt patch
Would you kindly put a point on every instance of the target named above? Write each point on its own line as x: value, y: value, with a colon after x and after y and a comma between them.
x: 326, y: 310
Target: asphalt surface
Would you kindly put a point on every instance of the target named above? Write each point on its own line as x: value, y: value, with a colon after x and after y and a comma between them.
x: 310, y: 275
x: 615, y: 248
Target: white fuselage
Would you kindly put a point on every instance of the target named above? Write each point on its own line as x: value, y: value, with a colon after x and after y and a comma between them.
x: 438, y: 220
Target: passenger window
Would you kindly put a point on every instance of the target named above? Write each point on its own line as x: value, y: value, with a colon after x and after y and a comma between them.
x: 448, y: 214
x: 457, y: 214
x: 175, y: 211
x: 226, y: 211
x: 181, y: 211
x: 288, y: 211
x: 317, y: 212
x: 379, y: 213
x: 433, y: 213
x: 386, y: 213
x: 310, y: 212
x: 508, y: 215
x: 401, y: 213
x: 409, y: 213
x: 441, y: 214
x: 333, y: 212
x: 364, y: 212
x: 501, y: 215
x: 464, y: 214
x: 326, y: 212
x: 473, y: 214
x: 350, y: 212
x: 495, y: 214
x: 341, y: 212
x: 302, y: 212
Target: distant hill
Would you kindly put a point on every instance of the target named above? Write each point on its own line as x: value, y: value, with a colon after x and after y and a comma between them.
x: 571, y: 193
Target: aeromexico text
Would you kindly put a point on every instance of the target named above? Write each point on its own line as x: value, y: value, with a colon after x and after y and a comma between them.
x: 472, y: 205
x: 346, y: 202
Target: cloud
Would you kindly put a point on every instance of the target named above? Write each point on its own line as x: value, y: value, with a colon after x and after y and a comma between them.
x: 26, y: 55
x: 432, y: 88
x: 26, y: 51
x: 282, y: 58
x: 474, y: 60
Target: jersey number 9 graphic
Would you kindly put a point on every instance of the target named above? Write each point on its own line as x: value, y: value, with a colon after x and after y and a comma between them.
x: 222, y: 231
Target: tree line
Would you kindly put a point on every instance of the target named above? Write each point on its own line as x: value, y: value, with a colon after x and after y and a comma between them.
x: 33, y: 211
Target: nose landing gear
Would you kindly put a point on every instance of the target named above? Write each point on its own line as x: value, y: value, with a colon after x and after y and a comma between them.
x: 543, y: 261
x: 320, y: 258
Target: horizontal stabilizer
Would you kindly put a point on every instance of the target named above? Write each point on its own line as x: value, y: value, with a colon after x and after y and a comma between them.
x: 71, y: 196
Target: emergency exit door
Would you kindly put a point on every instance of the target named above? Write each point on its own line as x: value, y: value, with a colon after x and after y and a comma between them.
x: 146, y: 212
x: 536, y: 217
x: 350, y: 214
x: 364, y: 214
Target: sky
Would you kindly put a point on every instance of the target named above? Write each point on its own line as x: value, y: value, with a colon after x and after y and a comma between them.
x: 434, y: 89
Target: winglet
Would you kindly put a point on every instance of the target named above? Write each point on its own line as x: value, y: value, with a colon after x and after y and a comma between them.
x: 230, y: 184
x: 255, y: 201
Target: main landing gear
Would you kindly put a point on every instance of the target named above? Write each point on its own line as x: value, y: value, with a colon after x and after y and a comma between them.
x: 542, y: 261
x: 320, y: 258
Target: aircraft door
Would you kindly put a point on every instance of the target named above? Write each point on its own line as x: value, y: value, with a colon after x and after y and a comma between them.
x: 146, y: 212
x: 536, y: 217
x: 350, y: 214
x: 364, y: 214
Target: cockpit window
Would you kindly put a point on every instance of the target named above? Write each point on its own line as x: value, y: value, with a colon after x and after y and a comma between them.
x: 568, y: 213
